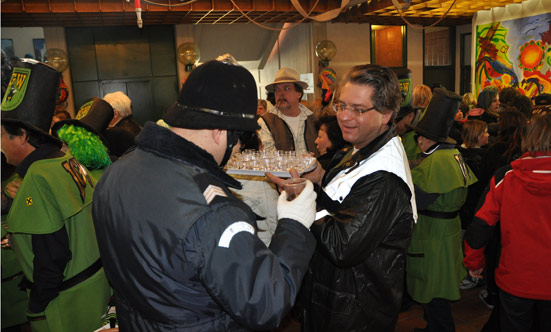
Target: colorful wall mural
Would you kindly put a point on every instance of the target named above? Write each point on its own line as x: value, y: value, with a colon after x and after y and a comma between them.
x: 515, y: 53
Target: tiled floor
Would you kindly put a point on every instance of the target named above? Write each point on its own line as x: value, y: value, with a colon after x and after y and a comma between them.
x: 469, y: 314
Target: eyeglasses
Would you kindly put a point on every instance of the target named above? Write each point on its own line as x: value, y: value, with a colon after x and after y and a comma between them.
x: 340, y: 107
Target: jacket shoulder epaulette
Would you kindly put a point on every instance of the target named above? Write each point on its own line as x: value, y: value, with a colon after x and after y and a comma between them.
x: 213, y: 190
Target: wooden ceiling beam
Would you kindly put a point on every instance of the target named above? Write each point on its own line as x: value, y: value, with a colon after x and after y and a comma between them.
x: 117, y: 12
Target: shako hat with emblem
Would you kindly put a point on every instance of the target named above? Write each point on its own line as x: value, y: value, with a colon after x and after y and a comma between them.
x: 94, y: 115
x: 31, y: 97
x: 216, y: 95
x: 439, y: 116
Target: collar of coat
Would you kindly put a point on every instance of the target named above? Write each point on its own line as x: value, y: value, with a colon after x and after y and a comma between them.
x: 360, y: 155
x: 165, y: 143
x: 44, y: 151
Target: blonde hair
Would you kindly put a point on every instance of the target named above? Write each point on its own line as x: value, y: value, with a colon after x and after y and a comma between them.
x: 421, y: 96
x: 472, y: 129
x: 469, y: 99
x: 262, y: 102
x: 538, y: 134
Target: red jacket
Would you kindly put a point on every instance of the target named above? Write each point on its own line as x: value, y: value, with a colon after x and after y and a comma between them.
x: 519, y: 197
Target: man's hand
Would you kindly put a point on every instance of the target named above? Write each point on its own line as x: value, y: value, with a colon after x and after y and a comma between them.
x: 301, y: 209
x: 279, y: 181
x: 13, y: 187
x: 476, y: 273
x: 316, y: 175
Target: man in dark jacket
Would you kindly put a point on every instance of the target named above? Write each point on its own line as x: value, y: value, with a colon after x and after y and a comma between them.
x: 122, y: 109
x: 180, y: 251
x: 366, y: 212
x: 119, y: 137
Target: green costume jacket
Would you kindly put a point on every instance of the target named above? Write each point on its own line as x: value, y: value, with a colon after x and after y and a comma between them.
x: 54, y: 199
x: 411, y: 147
x: 14, y: 299
x: 434, y: 263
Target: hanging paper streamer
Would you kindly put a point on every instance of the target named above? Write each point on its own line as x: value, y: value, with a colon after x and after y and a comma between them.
x: 138, y: 7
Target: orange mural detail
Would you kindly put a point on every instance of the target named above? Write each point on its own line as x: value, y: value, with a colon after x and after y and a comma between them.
x: 531, y: 55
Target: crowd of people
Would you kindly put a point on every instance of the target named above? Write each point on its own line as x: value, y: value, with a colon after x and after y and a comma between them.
x: 414, y: 196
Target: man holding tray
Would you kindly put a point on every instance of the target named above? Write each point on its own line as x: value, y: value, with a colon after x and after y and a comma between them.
x: 366, y: 211
x: 180, y: 251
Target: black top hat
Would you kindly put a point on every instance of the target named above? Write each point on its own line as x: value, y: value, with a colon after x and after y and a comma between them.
x: 439, y: 116
x: 94, y: 115
x: 404, y: 110
x: 216, y: 95
x: 31, y: 97
x: 402, y: 72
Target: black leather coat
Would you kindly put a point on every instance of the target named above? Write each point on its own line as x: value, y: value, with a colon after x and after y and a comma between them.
x: 181, y: 251
x: 356, y: 276
x: 129, y: 125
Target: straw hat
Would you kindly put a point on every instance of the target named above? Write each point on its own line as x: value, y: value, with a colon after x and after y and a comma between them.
x: 286, y: 75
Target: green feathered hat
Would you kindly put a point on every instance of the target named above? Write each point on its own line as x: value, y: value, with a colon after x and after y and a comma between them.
x: 94, y: 115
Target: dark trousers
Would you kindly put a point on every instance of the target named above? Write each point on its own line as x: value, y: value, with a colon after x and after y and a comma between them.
x: 492, y: 254
x: 522, y: 315
x: 438, y: 314
x: 492, y: 325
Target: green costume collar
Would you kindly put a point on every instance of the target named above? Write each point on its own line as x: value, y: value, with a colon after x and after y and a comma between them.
x: 45, y: 151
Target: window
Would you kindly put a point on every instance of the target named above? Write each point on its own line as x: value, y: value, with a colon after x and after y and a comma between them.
x: 437, y: 47
x: 7, y: 47
x: 39, y: 49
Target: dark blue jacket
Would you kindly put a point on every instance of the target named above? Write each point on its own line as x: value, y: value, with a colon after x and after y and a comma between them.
x: 182, y: 253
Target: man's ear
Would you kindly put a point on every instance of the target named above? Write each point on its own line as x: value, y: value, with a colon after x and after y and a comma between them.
x: 217, y: 135
x: 22, y: 139
x: 115, y: 113
x: 386, y: 117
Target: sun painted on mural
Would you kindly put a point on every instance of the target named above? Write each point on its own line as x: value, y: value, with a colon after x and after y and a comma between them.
x: 515, y: 53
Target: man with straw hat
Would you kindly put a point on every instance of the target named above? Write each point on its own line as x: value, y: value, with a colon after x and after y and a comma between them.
x: 289, y: 125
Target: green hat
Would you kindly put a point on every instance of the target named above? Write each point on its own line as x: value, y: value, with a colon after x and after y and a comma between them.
x: 94, y: 115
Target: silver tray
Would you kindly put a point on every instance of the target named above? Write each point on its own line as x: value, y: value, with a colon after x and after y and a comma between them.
x: 280, y: 174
